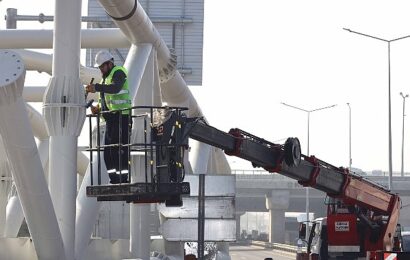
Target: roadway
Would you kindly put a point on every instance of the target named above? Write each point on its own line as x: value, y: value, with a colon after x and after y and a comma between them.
x: 252, y: 252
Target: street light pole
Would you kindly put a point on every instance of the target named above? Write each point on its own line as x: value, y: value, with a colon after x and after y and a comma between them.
x: 308, y: 133
x: 350, y: 137
x: 389, y: 96
x: 402, y: 136
x: 308, y: 154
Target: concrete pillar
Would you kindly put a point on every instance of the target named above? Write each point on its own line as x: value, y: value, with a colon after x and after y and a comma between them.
x: 238, y: 215
x: 277, y: 203
x: 238, y: 226
x: 277, y: 226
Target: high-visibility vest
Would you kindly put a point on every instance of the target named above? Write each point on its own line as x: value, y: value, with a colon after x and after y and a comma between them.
x: 120, y: 100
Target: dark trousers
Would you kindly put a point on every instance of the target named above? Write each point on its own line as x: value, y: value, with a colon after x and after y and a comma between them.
x: 113, y: 128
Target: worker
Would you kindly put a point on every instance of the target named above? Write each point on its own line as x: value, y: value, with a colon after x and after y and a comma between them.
x: 114, y: 95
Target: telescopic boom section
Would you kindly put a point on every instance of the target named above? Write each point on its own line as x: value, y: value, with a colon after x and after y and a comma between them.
x: 308, y: 171
x: 338, y: 183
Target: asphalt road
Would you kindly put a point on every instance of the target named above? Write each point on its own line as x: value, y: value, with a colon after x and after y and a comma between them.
x: 258, y: 253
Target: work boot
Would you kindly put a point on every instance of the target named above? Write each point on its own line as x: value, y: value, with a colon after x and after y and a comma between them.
x: 123, y: 177
x: 114, y: 178
x: 118, y: 178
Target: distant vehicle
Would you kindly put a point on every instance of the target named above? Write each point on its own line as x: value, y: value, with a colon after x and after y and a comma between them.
x: 255, y: 234
x: 263, y: 236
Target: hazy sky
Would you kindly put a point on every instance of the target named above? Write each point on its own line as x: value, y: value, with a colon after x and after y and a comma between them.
x: 260, y: 53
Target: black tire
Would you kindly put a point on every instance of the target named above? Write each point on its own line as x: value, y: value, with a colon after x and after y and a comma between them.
x: 292, y: 152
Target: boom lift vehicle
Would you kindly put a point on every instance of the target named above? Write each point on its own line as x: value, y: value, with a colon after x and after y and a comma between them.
x: 362, y: 216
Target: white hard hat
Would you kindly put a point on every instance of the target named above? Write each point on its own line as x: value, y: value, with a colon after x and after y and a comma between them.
x: 102, y: 56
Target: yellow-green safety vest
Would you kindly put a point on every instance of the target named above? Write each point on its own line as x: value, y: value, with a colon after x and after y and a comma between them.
x: 121, y: 99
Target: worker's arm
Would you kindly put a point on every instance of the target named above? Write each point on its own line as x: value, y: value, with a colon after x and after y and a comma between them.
x: 118, y: 80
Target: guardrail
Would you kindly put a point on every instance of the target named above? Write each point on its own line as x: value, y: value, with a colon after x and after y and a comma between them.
x: 261, y: 174
x: 276, y: 246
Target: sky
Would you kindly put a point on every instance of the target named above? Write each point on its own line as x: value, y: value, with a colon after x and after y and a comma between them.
x: 260, y: 53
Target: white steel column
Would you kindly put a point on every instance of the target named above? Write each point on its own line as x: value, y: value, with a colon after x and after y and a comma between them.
x: 87, y: 208
x: 63, y: 187
x: 64, y: 111
x: 144, y: 85
x: 24, y: 160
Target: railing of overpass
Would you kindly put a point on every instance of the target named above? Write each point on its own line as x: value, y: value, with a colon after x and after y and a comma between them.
x: 245, y: 174
x: 258, y: 174
x: 250, y: 172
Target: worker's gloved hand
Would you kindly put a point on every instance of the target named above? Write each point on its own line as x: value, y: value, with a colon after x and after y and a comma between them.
x: 90, y: 88
x: 95, y: 109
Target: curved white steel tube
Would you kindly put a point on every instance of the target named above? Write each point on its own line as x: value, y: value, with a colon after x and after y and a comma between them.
x: 176, y: 93
x: 33, y: 94
x: 42, y: 62
x: 43, y: 39
x: 14, y: 217
x: 138, y: 28
x: 24, y: 160
x: 36, y: 61
x: 37, y: 123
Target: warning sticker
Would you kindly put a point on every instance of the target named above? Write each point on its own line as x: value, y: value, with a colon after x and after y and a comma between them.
x: 342, y: 226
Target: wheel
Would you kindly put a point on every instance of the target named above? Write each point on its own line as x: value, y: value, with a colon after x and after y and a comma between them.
x: 292, y: 152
